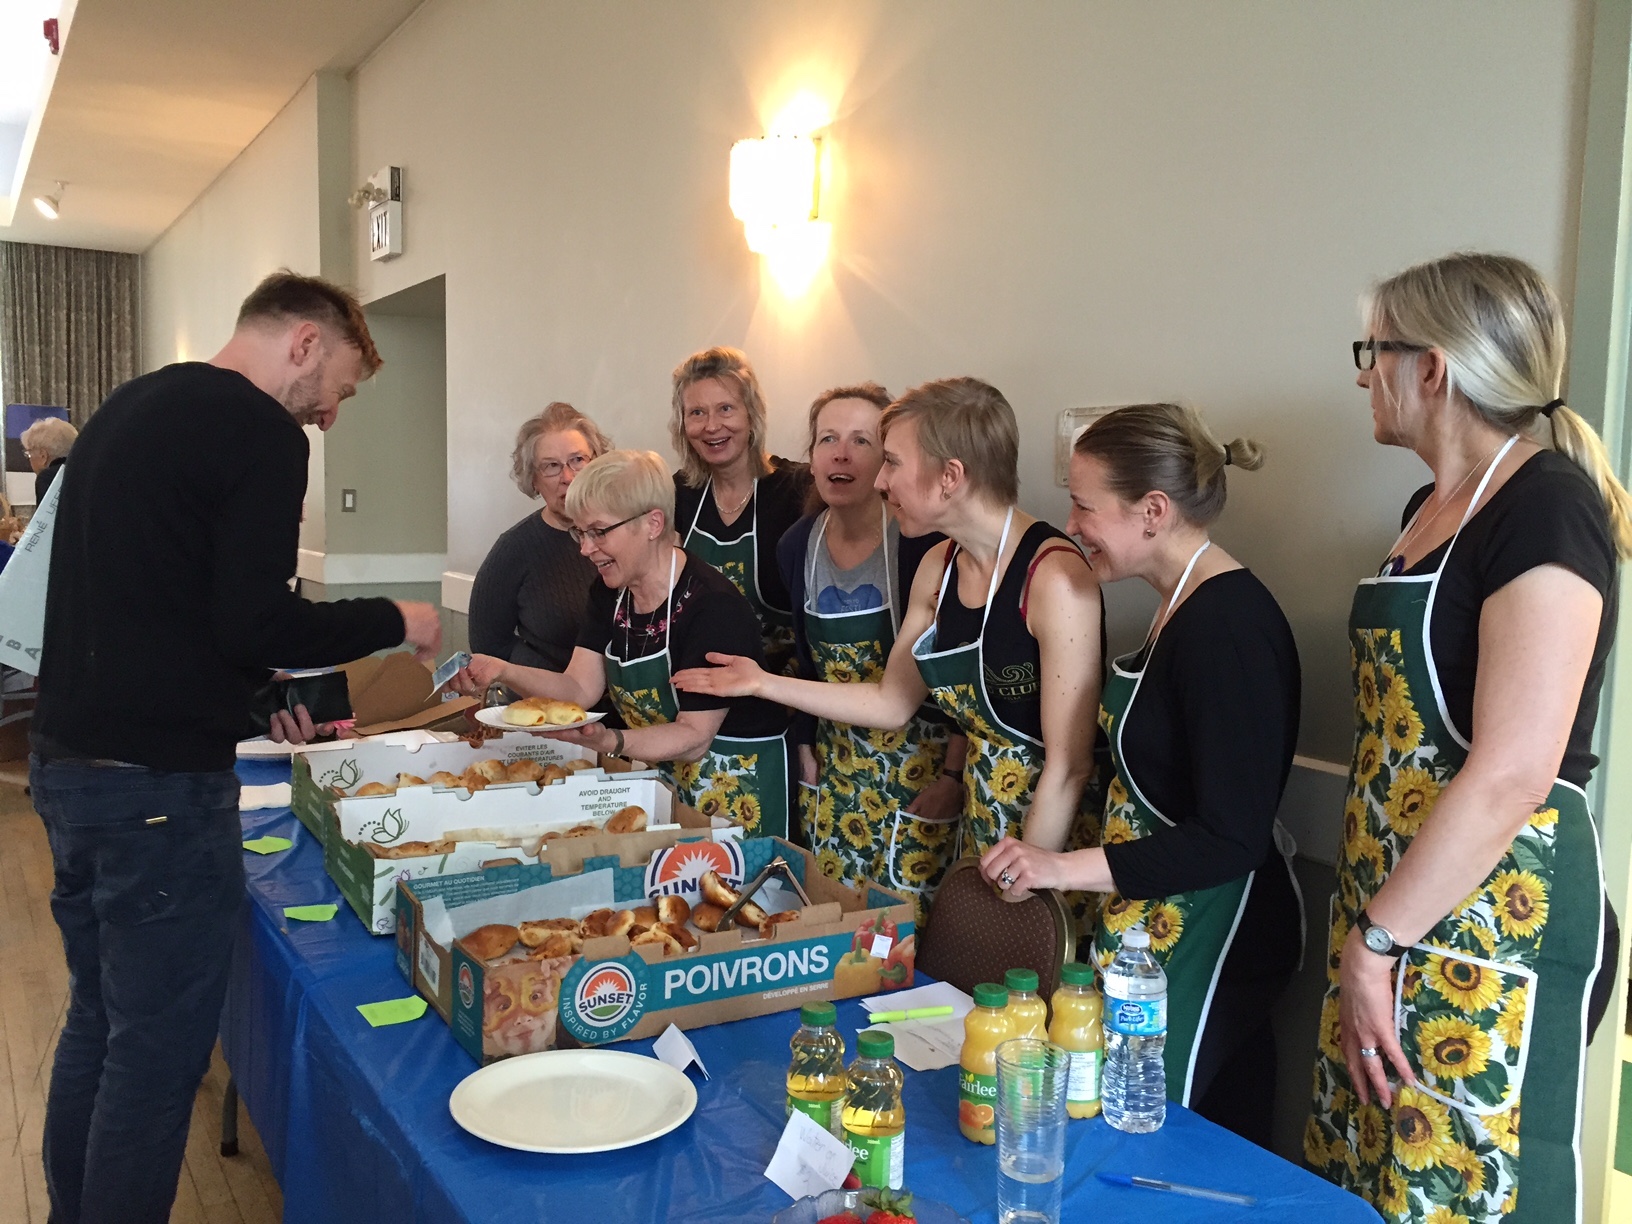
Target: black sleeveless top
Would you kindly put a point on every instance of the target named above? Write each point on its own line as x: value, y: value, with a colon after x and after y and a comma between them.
x: 1010, y: 655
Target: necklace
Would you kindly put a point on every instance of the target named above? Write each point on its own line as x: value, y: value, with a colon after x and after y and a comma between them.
x: 736, y: 509
x: 1396, y: 563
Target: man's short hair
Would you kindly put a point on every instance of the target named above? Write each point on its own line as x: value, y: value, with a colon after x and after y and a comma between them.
x: 285, y: 296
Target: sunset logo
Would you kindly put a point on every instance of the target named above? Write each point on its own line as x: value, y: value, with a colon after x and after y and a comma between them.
x: 605, y: 994
x: 467, y: 985
x: 676, y: 869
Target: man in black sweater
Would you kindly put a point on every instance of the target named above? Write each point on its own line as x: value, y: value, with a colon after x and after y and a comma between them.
x: 168, y: 604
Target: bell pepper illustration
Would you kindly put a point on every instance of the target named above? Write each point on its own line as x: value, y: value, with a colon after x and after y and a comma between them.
x: 897, y: 970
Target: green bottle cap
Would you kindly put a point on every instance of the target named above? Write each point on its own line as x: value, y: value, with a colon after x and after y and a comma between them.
x: 990, y: 994
x: 873, y: 1044
x: 818, y: 1015
x: 1077, y: 974
x: 1021, y: 979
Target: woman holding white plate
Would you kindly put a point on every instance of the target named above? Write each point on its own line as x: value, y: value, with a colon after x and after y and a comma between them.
x: 655, y: 611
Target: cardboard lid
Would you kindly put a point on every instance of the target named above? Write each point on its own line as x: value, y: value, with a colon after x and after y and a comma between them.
x: 393, y: 693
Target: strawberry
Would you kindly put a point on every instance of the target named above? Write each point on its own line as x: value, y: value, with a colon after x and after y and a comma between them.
x: 846, y: 1218
x: 890, y: 1207
x: 851, y: 1182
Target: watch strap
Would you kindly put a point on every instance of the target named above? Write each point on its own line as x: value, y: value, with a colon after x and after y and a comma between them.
x: 1364, y: 922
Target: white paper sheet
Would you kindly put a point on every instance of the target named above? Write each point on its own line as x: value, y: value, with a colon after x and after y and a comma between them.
x: 674, y: 1047
x: 572, y: 897
x: 925, y: 1045
x: 277, y: 795
x: 808, y: 1160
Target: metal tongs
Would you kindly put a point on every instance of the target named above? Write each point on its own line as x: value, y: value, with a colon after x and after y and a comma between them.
x: 778, y: 866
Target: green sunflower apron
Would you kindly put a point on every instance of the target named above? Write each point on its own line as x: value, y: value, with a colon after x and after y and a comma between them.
x: 738, y: 560
x: 1001, y: 768
x: 1491, y: 1004
x: 1191, y: 932
x: 742, y: 779
x: 857, y: 820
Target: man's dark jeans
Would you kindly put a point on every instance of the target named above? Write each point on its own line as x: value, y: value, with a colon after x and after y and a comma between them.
x: 149, y: 881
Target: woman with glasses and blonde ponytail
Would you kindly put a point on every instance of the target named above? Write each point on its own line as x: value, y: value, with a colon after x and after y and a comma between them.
x: 1469, y: 923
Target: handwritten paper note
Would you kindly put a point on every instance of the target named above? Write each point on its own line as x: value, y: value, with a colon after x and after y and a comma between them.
x: 808, y: 1160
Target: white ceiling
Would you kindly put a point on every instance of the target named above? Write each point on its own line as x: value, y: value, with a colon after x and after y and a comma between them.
x: 154, y: 98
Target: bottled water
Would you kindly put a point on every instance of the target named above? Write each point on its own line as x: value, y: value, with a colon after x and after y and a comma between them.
x: 1134, y: 1093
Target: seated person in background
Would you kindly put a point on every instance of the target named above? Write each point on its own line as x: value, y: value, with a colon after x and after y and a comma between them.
x: 655, y: 611
x: 47, y: 443
x: 527, y: 602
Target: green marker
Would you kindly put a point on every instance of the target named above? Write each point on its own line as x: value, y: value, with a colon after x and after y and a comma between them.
x: 915, y: 1013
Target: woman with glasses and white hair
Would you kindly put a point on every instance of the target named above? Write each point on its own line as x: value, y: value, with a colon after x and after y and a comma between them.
x: 734, y: 500
x: 1469, y: 923
x: 655, y: 611
x: 528, y: 598
x: 47, y: 443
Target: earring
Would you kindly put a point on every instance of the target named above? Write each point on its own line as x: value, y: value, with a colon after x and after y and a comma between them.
x: 1150, y: 533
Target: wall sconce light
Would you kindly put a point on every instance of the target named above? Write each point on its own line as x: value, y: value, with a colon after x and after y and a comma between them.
x: 776, y: 187
x: 50, y: 206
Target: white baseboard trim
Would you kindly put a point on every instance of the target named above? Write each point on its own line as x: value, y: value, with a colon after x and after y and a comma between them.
x: 456, y: 591
x: 359, y: 569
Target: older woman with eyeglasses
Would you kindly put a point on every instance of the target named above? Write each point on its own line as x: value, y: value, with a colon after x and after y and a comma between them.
x: 656, y: 611
x: 528, y: 598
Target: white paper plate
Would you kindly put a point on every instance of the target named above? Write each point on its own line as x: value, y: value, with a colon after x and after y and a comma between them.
x: 493, y: 716
x: 570, y: 1101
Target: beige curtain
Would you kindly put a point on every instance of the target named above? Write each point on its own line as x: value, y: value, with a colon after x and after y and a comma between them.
x: 69, y: 330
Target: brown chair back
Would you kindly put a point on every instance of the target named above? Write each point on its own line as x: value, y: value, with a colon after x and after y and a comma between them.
x: 973, y: 935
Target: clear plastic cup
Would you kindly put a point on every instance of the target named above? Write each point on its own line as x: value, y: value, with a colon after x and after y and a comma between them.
x: 1031, y: 1080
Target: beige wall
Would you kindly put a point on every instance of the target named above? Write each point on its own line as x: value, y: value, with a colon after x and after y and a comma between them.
x: 1086, y: 203
x: 259, y: 215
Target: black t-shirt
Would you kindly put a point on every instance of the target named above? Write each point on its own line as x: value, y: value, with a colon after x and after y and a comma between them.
x: 169, y: 597
x: 708, y: 614
x: 1009, y: 654
x: 778, y: 502
x: 527, y: 602
x: 1209, y: 742
x: 1548, y: 513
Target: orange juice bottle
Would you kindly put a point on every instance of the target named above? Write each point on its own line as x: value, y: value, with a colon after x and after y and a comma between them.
x: 1078, y: 1029
x: 1029, y: 1011
x: 984, y: 1029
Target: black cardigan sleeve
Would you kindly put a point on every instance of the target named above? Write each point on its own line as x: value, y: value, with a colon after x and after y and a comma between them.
x: 494, y: 597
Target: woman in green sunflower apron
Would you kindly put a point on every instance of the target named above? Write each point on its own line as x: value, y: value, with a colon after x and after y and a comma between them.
x: 1202, y: 723
x: 655, y: 611
x: 1469, y: 919
x: 878, y: 804
x: 1003, y: 628
x: 734, y: 500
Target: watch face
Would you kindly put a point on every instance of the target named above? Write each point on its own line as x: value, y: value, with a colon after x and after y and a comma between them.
x: 1378, y: 940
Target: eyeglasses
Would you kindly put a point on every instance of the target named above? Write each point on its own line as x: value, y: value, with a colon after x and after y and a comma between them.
x: 1365, y: 351
x: 596, y: 534
x: 551, y: 468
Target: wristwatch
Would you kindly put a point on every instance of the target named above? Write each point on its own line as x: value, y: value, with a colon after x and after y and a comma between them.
x: 1379, y: 939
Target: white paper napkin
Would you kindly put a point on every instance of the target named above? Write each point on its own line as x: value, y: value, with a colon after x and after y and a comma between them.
x: 808, y: 1160
x: 277, y: 795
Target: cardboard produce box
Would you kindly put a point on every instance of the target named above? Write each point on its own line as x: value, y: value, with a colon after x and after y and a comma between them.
x: 393, y: 693
x: 507, y: 821
x: 848, y: 943
x: 319, y: 775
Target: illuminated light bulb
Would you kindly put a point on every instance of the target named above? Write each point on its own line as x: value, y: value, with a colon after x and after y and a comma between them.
x: 795, y: 254
x: 773, y: 180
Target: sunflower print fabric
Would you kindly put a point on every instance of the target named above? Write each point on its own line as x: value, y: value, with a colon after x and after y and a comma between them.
x: 1448, y: 1150
x: 721, y: 784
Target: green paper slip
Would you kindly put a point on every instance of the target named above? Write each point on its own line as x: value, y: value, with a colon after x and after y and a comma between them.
x: 311, y: 913
x: 393, y: 1011
x: 268, y: 845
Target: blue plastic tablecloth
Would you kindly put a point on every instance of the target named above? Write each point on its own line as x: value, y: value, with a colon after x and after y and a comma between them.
x: 356, y: 1122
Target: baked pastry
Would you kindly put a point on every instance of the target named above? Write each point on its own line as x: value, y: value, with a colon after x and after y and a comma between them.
x: 524, y: 770
x: 596, y: 922
x: 673, y: 910
x: 528, y: 712
x: 490, y: 768
x: 553, y: 774
x: 443, y: 778
x: 774, y: 920
x: 631, y: 819
x: 583, y: 830
x: 563, y: 713
x: 408, y: 779
x: 492, y: 941
x: 715, y: 890
x: 679, y: 934
x: 646, y: 915
x: 369, y: 789
x: 548, y: 924
x: 472, y: 781
x: 706, y: 916
x: 411, y: 849
x: 660, y: 937
x: 557, y: 943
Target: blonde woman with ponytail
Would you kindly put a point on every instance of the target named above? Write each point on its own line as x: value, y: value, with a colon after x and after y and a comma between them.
x: 1201, y: 722
x: 1469, y: 921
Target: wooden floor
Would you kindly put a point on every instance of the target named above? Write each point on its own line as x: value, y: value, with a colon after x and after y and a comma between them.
x: 33, y: 993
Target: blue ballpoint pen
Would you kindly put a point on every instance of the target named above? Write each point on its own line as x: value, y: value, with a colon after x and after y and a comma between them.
x: 1200, y: 1192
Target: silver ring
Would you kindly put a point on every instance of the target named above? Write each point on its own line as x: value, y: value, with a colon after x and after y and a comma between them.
x: 1006, y: 879
x: 1368, y: 1051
